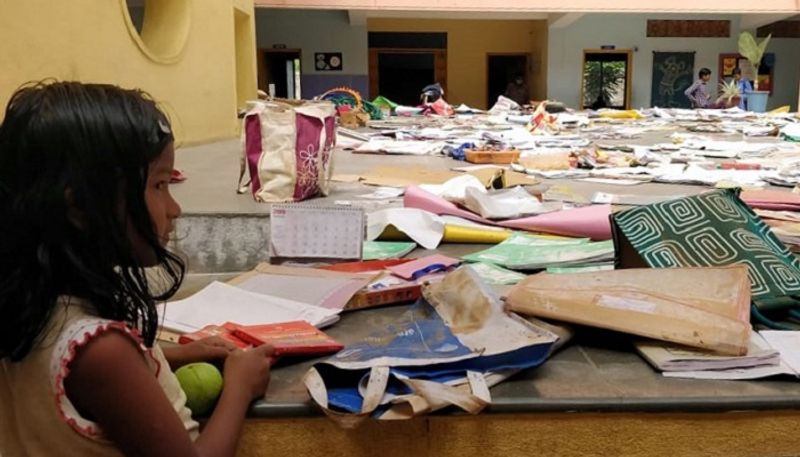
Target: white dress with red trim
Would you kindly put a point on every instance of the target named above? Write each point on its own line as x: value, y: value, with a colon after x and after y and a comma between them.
x: 37, y: 417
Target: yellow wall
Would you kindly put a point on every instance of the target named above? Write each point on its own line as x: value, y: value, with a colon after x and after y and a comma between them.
x: 469, y: 42
x: 93, y: 41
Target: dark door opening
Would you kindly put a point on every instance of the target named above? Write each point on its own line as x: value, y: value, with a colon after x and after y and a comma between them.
x: 279, y: 72
x: 402, y: 75
x: 502, y: 69
x: 401, y: 64
x: 606, y: 81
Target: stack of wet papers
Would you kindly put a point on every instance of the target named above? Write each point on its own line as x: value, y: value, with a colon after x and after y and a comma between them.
x: 771, y: 353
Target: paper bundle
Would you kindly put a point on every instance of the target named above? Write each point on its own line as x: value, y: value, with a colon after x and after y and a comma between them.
x: 772, y: 353
x: 669, y: 357
x: 706, y: 308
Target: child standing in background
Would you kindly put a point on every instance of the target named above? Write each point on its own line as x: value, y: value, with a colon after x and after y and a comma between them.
x: 84, y: 209
x: 698, y: 92
x: 744, y: 87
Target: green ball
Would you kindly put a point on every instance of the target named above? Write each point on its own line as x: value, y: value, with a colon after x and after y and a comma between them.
x: 202, y: 383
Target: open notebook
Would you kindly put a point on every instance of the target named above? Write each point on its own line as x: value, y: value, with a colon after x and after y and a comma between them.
x: 220, y: 302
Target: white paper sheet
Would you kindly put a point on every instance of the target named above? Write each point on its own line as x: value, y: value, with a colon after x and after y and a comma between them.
x: 505, y: 204
x: 464, y: 109
x: 468, y: 168
x: 384, y: 193
x: 504, y: 105
x: 614, y: 181
x: 409, y: 147
x: 407, y: 110
x: 697, y: 175
x: 604, y: 198
x: 787, y: 343
x: 455, y: 189
x: 421, y: 226
x: 219, y: 302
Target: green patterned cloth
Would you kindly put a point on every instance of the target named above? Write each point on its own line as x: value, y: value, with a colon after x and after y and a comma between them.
x: 712, y: 229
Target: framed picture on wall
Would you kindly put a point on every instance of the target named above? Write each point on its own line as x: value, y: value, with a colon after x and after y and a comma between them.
x: 766, y: 71
x: 728, y: 64
x: 328, y: 61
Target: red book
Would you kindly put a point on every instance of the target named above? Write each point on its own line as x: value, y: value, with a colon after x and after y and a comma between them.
x: 289, y: 338
x: 224, y: 331
x: 365, y: 266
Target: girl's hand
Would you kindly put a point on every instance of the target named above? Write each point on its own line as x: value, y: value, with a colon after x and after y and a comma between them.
x: 211, y: 349
x: 249, y: 370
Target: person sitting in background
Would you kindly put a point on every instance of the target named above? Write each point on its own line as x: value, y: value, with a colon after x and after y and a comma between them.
x: 698, y: 92
x: 744, y: 87
x: 600, y: 103
x: 431, y: 93
x: 517, y: 90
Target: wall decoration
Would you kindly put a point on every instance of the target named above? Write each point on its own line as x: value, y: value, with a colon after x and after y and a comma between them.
x: 673, y: 73
x: 729, y: 62
x: 658, y: 28
x: 780, y: 29
x: 766, y: 71
x: 328, y: 61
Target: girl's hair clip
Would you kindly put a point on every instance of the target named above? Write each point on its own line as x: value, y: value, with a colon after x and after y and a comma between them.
x: 164, y: 127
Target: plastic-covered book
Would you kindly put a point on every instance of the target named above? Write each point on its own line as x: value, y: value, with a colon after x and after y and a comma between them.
x: 224, y: 331
x: 296, y: 338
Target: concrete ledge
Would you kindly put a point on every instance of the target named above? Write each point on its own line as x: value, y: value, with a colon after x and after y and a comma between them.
x: 220, y: 243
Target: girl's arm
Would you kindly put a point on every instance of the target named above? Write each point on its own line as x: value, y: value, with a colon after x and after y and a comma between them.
x: 110, y: 383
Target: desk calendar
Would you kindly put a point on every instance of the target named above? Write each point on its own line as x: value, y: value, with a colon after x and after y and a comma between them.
x: 316, y: 232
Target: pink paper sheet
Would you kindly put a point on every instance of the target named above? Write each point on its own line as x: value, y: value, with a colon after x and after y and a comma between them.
x: 421, y: 199
x: 589, y: 221
x: 772, y: 199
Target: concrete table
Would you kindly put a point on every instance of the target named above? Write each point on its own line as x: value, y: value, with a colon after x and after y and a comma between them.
x: 594, y: 397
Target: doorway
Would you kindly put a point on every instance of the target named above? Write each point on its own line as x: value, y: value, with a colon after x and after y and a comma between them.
x: 404, y: 74
x: 606, y: 79
x: 401, y: 74
x: 279, y: 72
x: 401, y: 64
x: 502, y: 69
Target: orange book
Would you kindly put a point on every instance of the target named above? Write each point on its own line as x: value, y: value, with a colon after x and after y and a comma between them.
x: 296, y: 338
x: 224, y: 331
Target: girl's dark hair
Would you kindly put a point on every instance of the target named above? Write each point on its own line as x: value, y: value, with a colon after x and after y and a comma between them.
x: 74, y: 162
x: 704, y: 72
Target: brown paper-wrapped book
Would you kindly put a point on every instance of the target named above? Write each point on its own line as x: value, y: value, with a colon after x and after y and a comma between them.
x: 489, y: 156
x: 706, y: 308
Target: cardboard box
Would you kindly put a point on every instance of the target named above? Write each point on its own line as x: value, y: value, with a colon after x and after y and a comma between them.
x: 495, y: 157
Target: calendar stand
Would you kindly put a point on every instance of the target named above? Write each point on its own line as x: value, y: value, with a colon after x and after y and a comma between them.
x: 313, y: 233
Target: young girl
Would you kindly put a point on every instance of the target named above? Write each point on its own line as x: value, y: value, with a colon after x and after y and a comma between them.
x: 84, y: 209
